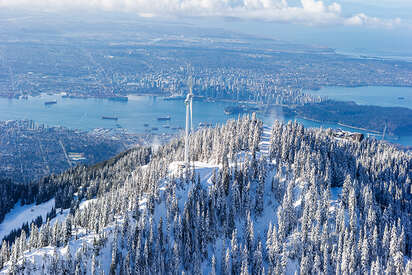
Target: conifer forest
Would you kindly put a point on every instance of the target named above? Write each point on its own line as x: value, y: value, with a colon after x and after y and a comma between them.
x: 256, y: 199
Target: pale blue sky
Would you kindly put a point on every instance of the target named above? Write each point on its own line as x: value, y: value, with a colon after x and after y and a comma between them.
x: 387, y: 13
x: 382, y: 27
x: 302, y: 11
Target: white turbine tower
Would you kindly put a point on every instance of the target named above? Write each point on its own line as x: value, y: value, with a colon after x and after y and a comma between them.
x: 189, y: 122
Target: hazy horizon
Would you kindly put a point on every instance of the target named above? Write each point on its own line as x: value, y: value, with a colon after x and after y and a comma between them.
x: 363, y: 27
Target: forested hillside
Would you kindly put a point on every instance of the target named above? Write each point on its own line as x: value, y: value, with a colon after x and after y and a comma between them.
x: 396, y: 120
x: 283, y: 200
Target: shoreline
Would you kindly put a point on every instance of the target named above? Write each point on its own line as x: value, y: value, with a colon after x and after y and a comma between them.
x: 343, y: 125
x: 262, y: 107
x: 359, y: 128
x: 163, y: 96
x: 304, y: 90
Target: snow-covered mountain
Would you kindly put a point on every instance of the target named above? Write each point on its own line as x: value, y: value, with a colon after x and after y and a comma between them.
x: 255, y: 200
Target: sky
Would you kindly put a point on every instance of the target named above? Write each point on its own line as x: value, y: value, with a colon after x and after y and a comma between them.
x: 308, y: 12
x: 345, y: 24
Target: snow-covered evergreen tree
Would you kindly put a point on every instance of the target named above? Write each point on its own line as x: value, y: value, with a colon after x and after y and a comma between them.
x: 311, y: 204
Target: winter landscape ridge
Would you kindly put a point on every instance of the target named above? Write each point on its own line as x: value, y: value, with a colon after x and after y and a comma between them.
x: 282, y: 199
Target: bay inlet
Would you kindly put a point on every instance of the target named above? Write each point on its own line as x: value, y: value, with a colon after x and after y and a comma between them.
x: 137, y: 115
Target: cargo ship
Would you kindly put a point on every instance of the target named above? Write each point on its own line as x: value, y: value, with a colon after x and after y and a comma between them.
x: 50, y: 102
x: 118, y: 98
x: 109, y: 117
x: 175, y: 97
x: 163, y: 118
x: 234, y: 110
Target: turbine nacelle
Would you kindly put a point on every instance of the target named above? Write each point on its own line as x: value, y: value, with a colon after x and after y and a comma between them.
x: 189, y: 98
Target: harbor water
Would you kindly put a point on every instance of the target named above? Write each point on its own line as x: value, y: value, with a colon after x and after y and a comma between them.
x: 137, y: 115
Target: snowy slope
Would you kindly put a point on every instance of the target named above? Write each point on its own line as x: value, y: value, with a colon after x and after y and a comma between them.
x: 85, y: 241
x: 203, y: 170
x: 247, y: 212
x: 22, y: 214
x: 40, y: 259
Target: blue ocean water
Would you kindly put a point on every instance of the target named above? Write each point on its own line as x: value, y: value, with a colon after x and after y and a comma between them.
x: 86, y: 114
x: 370, y: 95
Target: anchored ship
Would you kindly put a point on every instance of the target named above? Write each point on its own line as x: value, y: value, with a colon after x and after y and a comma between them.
x: 163, y: 118
x: 50, y: 102
x: 118, y: 98
x: 109, y: 117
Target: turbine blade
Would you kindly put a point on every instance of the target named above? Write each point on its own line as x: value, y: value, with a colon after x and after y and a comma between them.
x: 191, y: 115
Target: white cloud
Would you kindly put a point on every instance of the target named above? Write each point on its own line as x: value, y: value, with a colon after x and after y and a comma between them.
x: 312, y: 12
x: 335, y: 7
x: 362, y: 19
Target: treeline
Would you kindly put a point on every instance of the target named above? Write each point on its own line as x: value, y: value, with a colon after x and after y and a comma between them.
x: 256, y: 213
x: 63, y: 186
x: 10, y: 193
x: 207, y: 143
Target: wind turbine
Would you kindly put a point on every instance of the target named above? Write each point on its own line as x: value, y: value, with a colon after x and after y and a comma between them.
x: 189, y: 122
x: 384, y: 132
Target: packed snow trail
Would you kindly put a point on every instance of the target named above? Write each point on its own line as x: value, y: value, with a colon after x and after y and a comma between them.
x: 264, y: 144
